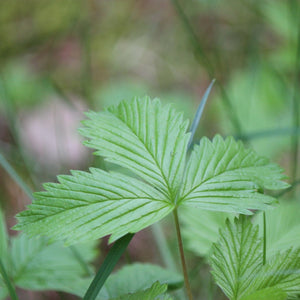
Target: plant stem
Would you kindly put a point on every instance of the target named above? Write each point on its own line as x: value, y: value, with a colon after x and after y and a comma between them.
x: 265, y: 239
x: 180, y: 245
x: 8, y: 283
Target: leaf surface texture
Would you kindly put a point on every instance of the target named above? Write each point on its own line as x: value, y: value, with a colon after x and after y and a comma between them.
x: 151, y: 141
x: 223, y: 175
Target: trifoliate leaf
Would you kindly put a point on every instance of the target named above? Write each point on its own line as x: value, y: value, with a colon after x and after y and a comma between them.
x: 282, y: 272
x: 282, y: 227
x: 200, y: 228
x: 144, y: 137
x: 135, y: 277
x: 267, y: 294
x: 88, y: 206
x: 153, y: 293
x: 222, y: 175
x: 236, y: 258
x: 149, y: 140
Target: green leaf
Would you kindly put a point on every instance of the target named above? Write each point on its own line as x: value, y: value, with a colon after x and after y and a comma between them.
x: 237, y: 266
x: 282, y: 272
x: 39, y: 265
x: 88, y: 206
x: 144, y: 137
x: 200, y: 228
x: 149, y: 140
x: 267, y: 294
x: 135, y: 277
x: 152, y: 293
x: 236, y: 257
x: 222, y: 175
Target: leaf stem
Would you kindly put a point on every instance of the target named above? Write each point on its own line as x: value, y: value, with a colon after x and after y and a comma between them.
x: 8, y: 283
x: 180, y: 245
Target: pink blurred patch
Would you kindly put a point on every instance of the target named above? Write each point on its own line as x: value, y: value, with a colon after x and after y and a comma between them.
x: 49, y: 133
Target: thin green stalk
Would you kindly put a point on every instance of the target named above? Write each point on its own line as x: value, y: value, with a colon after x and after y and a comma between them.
x: 107, y: 266
x: 182, y: 258
x: 264, y: 239
x: 8, y: 283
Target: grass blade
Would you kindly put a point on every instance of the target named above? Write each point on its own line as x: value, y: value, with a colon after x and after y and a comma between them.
x: 199, y: 112
x: 107, y: 266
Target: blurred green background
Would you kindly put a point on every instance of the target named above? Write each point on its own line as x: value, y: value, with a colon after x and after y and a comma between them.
x: 61, y: 58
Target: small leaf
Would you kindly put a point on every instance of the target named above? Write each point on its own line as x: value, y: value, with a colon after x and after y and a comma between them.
x: 152, y: 293
x: 38, y: 265
x: 236, y: 257
x: 222, y: 175
x: 237, y: 266
x: 135, y: 277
